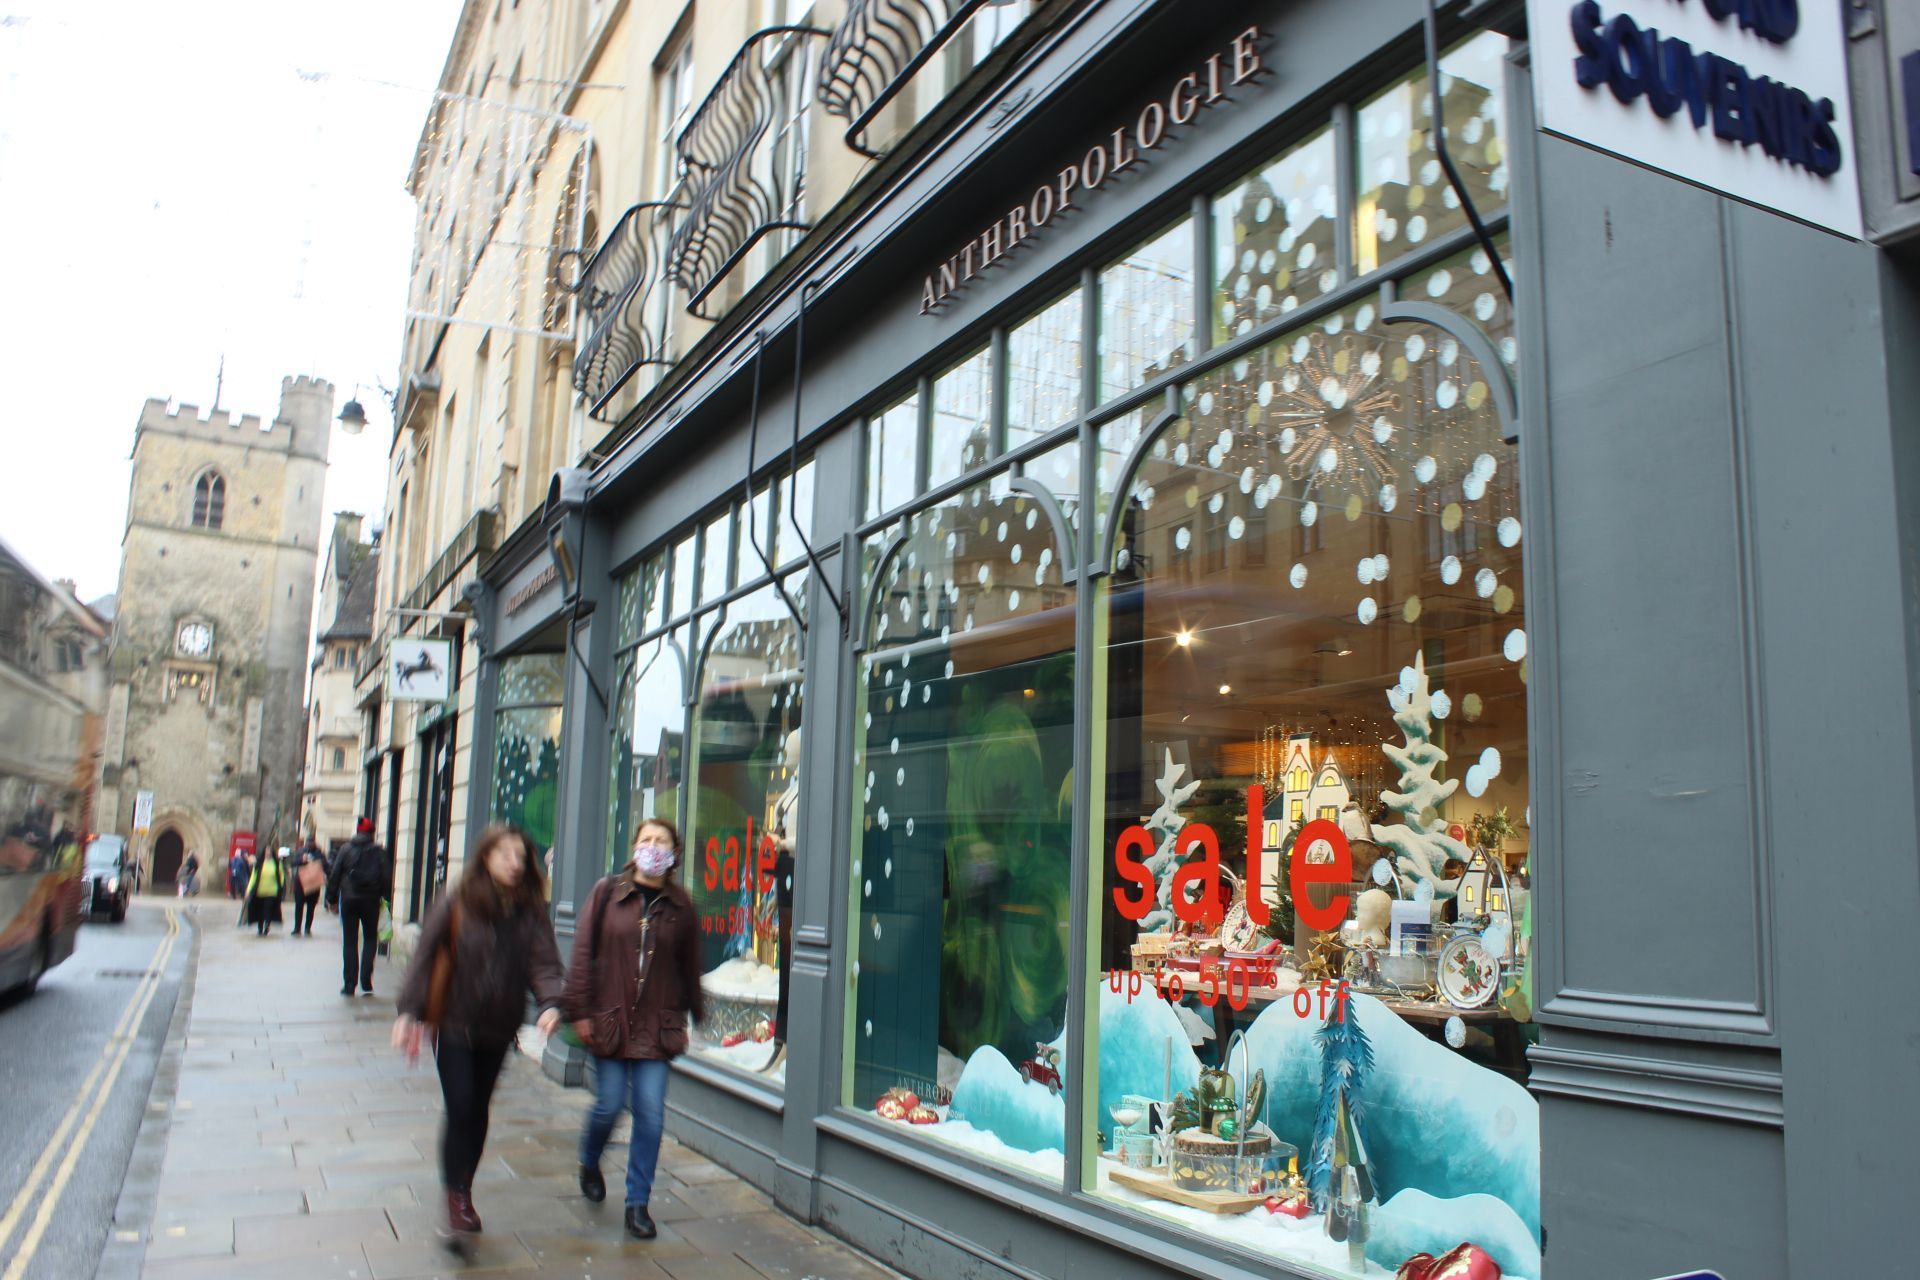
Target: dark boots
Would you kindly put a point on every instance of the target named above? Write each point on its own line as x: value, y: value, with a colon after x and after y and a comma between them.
x: 461, y: 1217
x: 592, y: 1185
x: 640, y: 1223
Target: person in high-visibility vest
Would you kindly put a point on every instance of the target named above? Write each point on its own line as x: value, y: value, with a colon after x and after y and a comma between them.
x: 264, y: 887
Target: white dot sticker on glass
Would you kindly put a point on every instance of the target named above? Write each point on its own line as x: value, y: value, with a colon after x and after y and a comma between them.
x: 1515, y: 645
x: 1368, y: 611
x: 1297, y: 576
x: 1508, y: 531
x: 1450, y: 570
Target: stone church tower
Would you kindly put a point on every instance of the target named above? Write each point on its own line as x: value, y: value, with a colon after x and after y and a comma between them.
x: 209, y: 649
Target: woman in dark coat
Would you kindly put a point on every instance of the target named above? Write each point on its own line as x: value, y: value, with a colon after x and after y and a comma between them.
x: 264, y: 888
x: 633, y: 983
x: 492, y: 943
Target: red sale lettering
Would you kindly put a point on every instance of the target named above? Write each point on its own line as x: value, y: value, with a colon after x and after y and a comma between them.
x: 1338, y: 870
x: 1129, y: 859
x: 769, y: 854
x: 730, y: 876
x: 1205, y: 869
x: 710, y: 875
x: 1258, y: 910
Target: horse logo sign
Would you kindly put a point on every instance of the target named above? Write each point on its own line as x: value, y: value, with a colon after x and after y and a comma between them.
x: 417, y: 670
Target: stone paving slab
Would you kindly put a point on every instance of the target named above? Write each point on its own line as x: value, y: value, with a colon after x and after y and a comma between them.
x: 297, y: 1144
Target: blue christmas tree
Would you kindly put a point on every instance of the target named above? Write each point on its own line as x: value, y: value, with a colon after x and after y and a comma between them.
x: 1346, y: 1060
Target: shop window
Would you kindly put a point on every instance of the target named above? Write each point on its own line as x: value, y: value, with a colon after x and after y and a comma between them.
x: 1377, y: 694
x: 1146, y: 311
x: 1273, y: 238
x: 1404, y: 198
x: 1117, y: 440
x: 756, y: 529
x: 796, y: 509
x: 640, y: 604
x: 680, y: 584
x: 716, y: 556
x: 526, y: 748
x: 893, y: 456
x: 1044, y: 370
x: 1058, y: 471
x: 960, y: 876
x: 649, y: 735
x: 962, y: 419
x: 746, y: 809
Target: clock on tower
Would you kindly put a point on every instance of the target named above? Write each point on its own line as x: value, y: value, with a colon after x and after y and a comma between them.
x: 195, y: 639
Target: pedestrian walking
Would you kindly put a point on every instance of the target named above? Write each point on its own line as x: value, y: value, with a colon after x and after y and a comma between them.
x: 189, y: 875
x: 264, y: 888
x: 483, y: 948
x: 309, y: 872
x: 236, y: 874
x: 633, y: 982
x: 361, y: 879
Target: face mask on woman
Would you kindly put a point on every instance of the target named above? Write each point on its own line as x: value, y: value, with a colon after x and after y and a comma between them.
x: 653, y: 858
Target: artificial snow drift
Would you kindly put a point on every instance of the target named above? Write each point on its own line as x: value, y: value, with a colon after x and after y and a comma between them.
x: 1415, y: 1222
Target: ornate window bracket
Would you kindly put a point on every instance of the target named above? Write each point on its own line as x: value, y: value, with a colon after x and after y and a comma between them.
x: 744, y: 160
x: 876, y: 51
x: 614, y: 289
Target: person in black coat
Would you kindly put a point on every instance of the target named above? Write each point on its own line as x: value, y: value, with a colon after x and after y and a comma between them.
x: 361, y: 879
x: 304, y: 902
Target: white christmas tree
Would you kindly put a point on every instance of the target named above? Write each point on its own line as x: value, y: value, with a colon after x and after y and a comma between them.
x: 1420, y: 843
x: 1166, y: 823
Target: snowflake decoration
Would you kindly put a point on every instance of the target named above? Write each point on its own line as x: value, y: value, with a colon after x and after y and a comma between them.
x: 1331, y: 398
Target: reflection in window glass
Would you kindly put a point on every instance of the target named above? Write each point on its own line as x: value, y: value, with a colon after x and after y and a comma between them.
x: 526, y: 748
x: 1374, y: 686
x: 1044, y: 371
x: 682, y: 577
x: 746, y: 803
x: 756, y: 529
x: 1273, y: 239
x: 1058, y: 471
x: 1466, y: 283
x: 962, y: 419
x: 1117, y: 440
x: 648, y: 739
x: 796, y: 508
x: 959, y: 893
x: 716, y: 557
x: 1405, y: 199
x: 893, y: 453
x: 1146, y: 311
x: 653, y: 596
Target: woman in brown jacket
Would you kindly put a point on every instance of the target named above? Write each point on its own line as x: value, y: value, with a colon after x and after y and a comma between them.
x: 482, y: 948
x: 633, y: 982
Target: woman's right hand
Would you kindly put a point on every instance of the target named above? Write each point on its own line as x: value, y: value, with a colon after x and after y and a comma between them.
x: 584, y: 1029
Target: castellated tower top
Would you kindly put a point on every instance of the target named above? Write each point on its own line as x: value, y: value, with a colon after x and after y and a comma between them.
x: 303, y: 426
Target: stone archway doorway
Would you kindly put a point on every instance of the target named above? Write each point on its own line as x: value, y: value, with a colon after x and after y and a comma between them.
x: 168, y: 849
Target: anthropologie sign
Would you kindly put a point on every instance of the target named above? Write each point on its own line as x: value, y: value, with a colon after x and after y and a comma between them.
x: 1747, y: 97
x: 1153, y: 126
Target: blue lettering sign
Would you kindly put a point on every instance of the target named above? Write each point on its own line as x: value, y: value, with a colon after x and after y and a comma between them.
x: 1636, y: 62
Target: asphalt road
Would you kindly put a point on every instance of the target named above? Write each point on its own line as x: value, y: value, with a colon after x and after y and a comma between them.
x: 71, y: 1100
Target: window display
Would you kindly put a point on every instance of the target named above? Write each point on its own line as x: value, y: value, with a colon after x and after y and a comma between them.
x: 1314, y: 927
x: 960, y: 872
x: 741, y: 846
x: 526, y: 748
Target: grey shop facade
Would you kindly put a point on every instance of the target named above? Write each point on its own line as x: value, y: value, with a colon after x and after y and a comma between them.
x: 1243, y: 724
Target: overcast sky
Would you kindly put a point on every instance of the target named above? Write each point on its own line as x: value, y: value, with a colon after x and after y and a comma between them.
x: 185, y: 179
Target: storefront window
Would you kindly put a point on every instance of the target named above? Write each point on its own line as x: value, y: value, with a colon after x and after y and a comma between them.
x: 960, y: 877
x: 526, y: 748
x: 1405, y: 199
x: 1044, y: 371
x: 1312, y: 924
x: 756, y: 529
x: 1146, y: 311
x: 893, y: 452
x: 1273, y: 238
x: 716, y: 555
x: 681, y: 582
x: 796, y: 497
x: 746, y: 802
x: 962, y: 419
x: 648, y: 739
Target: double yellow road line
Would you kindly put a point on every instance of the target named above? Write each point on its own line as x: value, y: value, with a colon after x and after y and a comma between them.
x: 92, y: 1099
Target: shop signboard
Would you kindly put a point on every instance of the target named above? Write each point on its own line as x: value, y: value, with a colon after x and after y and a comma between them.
x: 419, y: 670
x: 1745, y: 97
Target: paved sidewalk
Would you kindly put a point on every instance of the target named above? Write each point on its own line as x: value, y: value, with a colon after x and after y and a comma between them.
x: 300, y: 1146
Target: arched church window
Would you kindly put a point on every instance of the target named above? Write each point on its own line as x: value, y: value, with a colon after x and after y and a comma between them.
x: 209, y: 501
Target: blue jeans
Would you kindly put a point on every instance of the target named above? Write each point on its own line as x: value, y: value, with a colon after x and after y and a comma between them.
x: 638, y: 1084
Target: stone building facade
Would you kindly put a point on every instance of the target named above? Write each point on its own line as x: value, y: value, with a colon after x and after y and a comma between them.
x: 52, y: 687
x: 210, y: 641
x: 333, y: 723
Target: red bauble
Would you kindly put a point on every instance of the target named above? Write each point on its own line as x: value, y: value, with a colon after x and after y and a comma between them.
x: 732, y: 1038
x: 1462, y: 1262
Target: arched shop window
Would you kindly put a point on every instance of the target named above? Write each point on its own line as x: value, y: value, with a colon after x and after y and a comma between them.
x: 526, y: 747
x: 1384, y: 671
x: 746, y: 798
x: 960, y: 900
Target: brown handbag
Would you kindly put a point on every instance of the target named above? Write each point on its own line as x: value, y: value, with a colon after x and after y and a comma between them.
x: 440, y: 981
x: 312, y: 876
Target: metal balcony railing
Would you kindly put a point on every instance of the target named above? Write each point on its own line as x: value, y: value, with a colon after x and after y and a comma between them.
x: 745, y: 156
x: 616, y: 292
x: 876, y: 51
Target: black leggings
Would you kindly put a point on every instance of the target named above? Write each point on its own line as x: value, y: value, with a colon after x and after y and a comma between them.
x: 303, y: 905
x: 467, y: 1076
